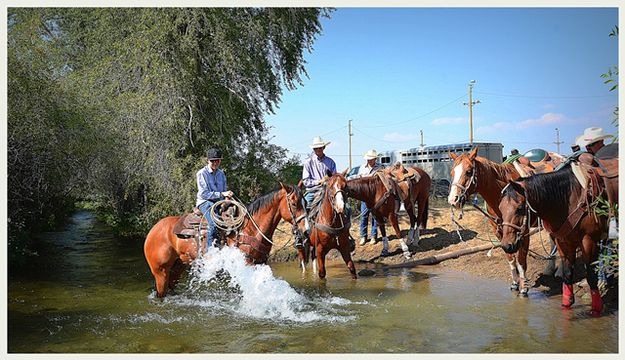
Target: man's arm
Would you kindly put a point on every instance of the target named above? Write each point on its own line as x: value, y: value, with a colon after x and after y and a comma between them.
x: 205, y: 191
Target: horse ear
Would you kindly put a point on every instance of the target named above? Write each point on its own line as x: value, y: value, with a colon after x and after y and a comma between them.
x: 344, y: 173
x: 300, y: 184
x: 282, y: 185
x: 452, y: 155
x: 518, y: 187
x: 473, y: 153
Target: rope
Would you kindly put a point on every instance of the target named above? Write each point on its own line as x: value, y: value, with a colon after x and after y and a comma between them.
x: 234, y: 223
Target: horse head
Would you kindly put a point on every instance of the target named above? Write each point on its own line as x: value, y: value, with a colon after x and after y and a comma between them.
x: 463, y: 175
x: 335, y: 186
x: 514, y: 214
x: 293, y: 209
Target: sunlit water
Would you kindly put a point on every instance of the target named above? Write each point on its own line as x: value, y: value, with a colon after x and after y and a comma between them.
x: 92, y: 293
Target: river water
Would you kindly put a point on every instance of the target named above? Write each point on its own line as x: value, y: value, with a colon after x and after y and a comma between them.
x: 89, y: 292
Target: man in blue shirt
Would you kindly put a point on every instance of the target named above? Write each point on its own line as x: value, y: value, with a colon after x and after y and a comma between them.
x: 212, y: 187
x: 316, y: 167
x: 368, y: 169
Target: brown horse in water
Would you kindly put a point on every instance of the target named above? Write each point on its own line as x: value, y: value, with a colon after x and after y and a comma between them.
x: 168, y: 254
x: 384, y: 190
x: 474, y: 174
x: 567, y: 210
x: 330, y: 226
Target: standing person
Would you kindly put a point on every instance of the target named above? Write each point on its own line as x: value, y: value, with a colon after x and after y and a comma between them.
x: 593, y: 138
x: 212, y: 187
x: 371, y: 166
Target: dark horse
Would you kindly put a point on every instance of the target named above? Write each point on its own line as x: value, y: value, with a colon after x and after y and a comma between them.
x: 329, y: 226
x: 167, y: 254
x: 567, y: 210
x: 384, y: 190
x: 474, y: 174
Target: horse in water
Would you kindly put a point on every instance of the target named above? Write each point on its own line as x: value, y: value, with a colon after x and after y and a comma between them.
x: 474, y: 174
x: 566, y: 204
x: 330, y: 226
x: 167, y: 254
x: 384, y: 191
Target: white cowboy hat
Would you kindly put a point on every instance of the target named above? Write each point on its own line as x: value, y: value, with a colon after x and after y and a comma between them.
x: 318, y: 142
x: 579, y: 141
x: 593, y: 134
x: 371, y: 154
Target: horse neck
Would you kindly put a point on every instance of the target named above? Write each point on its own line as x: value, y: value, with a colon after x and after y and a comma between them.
x: 363, y: 185
x: 267, y: 220
x: 491, y: 179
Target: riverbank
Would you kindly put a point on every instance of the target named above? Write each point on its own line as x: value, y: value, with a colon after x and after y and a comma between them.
x: 441, y: 238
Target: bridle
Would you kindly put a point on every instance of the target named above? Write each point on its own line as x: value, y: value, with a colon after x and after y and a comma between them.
x: 295, y: 230
x: 523, y: 229
x: 465, y: 189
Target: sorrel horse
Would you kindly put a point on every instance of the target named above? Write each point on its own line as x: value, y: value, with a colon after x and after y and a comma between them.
x: 414, y: 185
x: 168, y: 254
x: 567, y: 210
x: 474, y: 174
x: 330, y: 225
x: 382, y: 194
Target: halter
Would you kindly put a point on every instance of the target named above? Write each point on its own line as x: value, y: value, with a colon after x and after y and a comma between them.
x: 472, y: 181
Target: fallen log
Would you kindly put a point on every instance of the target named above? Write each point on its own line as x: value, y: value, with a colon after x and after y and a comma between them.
x: 435, y: 259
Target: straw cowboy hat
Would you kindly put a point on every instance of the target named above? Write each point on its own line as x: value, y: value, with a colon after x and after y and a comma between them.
x: 318, y: 142
x: 371, y: 154
x: 594, y: 134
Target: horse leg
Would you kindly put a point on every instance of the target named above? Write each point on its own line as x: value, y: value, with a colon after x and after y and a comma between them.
x: 175, y: 273
x: 382, y: 228
x: 568, y: 263
x: 394, y: 221
x: 522, y: 265
x: 552, y: 269
x: 302, y: 259
x: 590, y: 254
x: 423, y: 212
x: 410, y: 210
x: 345, y: 253
x: 321, y: 259
x: 514, y: 271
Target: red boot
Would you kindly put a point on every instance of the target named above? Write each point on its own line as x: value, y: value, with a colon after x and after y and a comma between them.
x: 568, y: 298
x: 597, y: 302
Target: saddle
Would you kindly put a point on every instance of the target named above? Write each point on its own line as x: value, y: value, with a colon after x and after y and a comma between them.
x: 392, y: 188
x: 537, y: 161
x: 191, y: 225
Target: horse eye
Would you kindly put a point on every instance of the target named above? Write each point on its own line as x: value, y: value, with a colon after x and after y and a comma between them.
x: 469, y: 172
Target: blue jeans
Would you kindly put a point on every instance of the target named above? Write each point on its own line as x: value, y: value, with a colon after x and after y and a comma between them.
x: 213, y: 234
x: 364, y: 222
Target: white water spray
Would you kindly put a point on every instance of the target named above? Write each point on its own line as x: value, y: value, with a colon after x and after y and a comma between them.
x: 222, y: 282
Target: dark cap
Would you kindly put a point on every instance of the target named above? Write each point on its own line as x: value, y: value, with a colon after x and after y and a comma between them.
x: 213, y: 154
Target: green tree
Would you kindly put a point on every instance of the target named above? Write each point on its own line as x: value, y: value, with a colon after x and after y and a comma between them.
x: 140, y: 94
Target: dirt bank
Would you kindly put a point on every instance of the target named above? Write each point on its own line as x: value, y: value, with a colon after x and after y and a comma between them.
x: 441, y: 238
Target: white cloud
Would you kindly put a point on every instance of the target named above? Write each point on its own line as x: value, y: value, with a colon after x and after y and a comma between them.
x: 449, y: 121
x: 546, y: 119
x: 397, y: 137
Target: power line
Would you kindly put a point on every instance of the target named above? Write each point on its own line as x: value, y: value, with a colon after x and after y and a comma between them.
x: 418, y: 117
x: 543, y: 97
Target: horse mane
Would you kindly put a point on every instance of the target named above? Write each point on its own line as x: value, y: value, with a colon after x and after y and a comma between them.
x: 268, y: 198
x: 502, y: 171
x: 551, y: 188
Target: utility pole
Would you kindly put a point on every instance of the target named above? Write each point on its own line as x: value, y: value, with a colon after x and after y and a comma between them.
x: 558, y: 142
x: 350, y: 134
x: 471, y: 103
x: 422, y: 144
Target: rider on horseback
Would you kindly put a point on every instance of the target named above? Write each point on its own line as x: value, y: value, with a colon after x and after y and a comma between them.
x: 212, y: 187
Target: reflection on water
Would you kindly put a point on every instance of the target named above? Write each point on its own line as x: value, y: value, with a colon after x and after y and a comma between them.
x: 94, y: 293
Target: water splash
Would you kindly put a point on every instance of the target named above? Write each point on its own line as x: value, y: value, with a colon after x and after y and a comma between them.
x: 222, y: 283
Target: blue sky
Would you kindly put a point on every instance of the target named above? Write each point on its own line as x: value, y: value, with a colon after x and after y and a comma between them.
x: 396, y: 71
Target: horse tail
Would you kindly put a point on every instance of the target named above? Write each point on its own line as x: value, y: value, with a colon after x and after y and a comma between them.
x: 424, y: 220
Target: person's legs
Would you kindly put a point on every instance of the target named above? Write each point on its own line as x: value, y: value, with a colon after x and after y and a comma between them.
x: 374, y: 228
x: 364, y: 220
x: 211, y: 233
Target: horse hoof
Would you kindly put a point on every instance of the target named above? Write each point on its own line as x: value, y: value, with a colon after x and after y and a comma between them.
x: 407, y: 256
x: 523, y: 293
x: 514, y: 287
